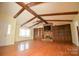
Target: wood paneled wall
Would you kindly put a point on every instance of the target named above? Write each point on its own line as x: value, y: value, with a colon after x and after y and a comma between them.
x: 61, y: 33
x: 38, y: 33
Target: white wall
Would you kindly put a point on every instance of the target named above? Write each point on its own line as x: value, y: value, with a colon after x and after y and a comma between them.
x: 6, y: 39
x: 74, y: 31
x: 6, y: 19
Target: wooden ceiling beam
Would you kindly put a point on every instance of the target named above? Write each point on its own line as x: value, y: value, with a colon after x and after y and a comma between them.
x: 31, y: 11
x: 62, y: 13
x: 28, y: 21
x: 19, y: 12
x: 35, y: 24
x: 52, y: 21
x: 58, y: 20
x: 34, y: 3
x: 30, y: 5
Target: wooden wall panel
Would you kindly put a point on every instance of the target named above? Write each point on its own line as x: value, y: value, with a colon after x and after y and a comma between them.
x: 61, y: 33
x: 38, y: 33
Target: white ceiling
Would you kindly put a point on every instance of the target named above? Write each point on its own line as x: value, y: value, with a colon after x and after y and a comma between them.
x: 44, y: 8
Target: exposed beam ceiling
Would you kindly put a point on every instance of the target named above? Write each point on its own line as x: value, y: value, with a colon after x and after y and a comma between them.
x: 38, y: 22
x: 35, y: 24
x: 28, y: 21
x: 62, y: 13
x: 58, y: 20
x: 34, y: 3
x: 39, y: 16
x: 30, y: 5
x: 31, y: 11
x: 54, y: 14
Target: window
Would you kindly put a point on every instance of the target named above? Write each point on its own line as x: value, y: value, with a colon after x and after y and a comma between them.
x: 24, y: 33
x: 9, y: 29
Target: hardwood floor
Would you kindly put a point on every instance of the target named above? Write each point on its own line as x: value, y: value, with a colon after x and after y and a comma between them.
x: 40, y: 48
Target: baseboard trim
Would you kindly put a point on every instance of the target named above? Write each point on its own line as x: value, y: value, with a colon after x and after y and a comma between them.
x: 6, y: 44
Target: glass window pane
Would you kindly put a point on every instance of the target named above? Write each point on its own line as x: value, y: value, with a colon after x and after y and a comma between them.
x: 24, y: 32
